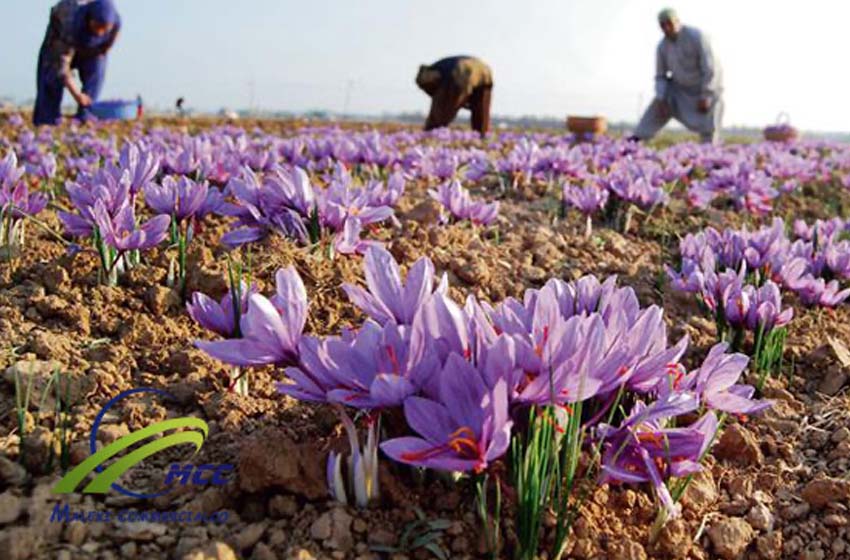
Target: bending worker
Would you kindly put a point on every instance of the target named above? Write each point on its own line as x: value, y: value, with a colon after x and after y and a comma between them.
x: 79, y: 35
x: 455, y: 82
x: 688, y: 82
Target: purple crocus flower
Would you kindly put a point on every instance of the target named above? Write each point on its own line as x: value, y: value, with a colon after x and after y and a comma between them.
x: 837, y: 256
x: 348, y: 240
x: 587, y: 199
x: 375, y: 369
x: 691, y: 278
x: 583, y: 364
x: 180, y: 197
x: 212, y: 204
x: 103, y: 187
x: 821, y: 230
x: 19, y: 202
x: 817, y: 291
x: 634, y: 184
x: 271, y: 327
x: 388, y: 300
x: 766, y: 309
x: 341, y: 201
x: 459, y: 204
x: 642, y: 450
x: 219, y: 316
x: 764, y: 244
x: 291, y: 188
x: 10, y: 172
x: 312, y: 378
x: 275, y: 205
x: 380, y: 195
x: 122, y: 233
x: 466, y: 429
x: 142, y: 165
x: 715, y: 382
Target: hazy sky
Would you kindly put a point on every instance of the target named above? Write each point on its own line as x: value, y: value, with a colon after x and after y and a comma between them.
x: 548, y: 57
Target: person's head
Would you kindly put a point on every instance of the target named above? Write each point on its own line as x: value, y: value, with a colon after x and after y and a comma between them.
x: 669, y: 22
x: 98, y: 17
x: 428, y: 79
x: 427, y: 76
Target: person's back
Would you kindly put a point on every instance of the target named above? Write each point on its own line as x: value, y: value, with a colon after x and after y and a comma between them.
x: 445, y: 66
x: 455, y: 82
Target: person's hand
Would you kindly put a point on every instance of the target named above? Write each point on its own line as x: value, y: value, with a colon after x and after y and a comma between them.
x: 663, y: 109
x: 84, y: 100
x: 704, y: 104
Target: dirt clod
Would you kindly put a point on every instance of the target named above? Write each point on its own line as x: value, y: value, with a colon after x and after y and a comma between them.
x: 295, y: 468
x: 730, y: 537
x: 738, y: 445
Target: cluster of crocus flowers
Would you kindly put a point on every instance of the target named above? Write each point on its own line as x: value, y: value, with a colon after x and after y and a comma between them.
x: 749, y: 177
x: 745, y: 186
x: 652, y: 446
x: 17, y: 204
x: 285, y: 201
x: 810, y: 263
x: 104, y: 201
x: 462, y: 373
x: 634, y: 185
x: 458, y: 204
x: 738, y: 277
x: 186, y: 201
x: 639, y: 183
x: 105, y: 204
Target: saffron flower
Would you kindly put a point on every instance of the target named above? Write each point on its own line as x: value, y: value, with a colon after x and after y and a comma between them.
x: 466, y: 429
x: 458, y: 203
x: 587, y: 199
x: 122, y: 233
x: 271, y: 327
x: 715, y: 382
x: 140, y: 163
x: 642, y: 450
x: 388, y: 299
x: 220, y: 317
x: 179, y: 197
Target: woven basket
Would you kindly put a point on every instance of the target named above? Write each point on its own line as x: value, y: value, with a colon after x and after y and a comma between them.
x: 782, y: 131
x: 587, y: 125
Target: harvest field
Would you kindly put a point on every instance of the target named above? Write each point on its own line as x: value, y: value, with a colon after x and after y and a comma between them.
x: 400, y: 344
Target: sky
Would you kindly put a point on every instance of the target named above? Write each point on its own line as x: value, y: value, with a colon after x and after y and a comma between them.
x: 549, y: 57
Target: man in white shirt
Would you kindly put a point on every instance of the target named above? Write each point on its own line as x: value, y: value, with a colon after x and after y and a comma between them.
x: 688, y: 83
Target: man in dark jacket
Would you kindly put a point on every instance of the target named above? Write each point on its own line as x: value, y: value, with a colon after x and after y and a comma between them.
x: 455, y: 82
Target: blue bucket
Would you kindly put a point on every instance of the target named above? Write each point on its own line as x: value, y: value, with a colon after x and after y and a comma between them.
x: 116, y: 110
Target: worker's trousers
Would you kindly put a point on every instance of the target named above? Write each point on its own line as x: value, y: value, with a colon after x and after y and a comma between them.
x: 683, y: 108
x: 447, y: 101
x: 50, y: 88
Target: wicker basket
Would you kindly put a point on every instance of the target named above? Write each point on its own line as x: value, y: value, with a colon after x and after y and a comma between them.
x: 587, y: 125
x: 782, y: 131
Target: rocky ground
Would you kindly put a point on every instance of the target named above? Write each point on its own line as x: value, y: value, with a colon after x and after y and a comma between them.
x: 777, y: 486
